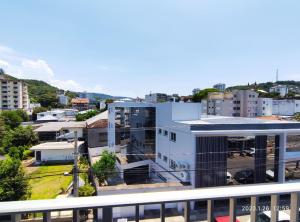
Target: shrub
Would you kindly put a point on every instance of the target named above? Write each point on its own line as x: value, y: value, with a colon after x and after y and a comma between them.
x: 86, y: 190
x: 105, y: 167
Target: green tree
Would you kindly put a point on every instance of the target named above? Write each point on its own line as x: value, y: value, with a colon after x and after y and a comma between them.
x: 17, y: 152
x: 14, y: 185
x: 2, y: 129
x: 86, y: 115
x: 105, y: 167
x: 11, y: 118
x: 23, y: 114
x: 202, y: 94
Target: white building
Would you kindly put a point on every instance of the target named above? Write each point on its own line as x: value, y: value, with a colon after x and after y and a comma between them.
x: 102, y: 104
x: 63, y: 99
x: 55, y: 151
x: 245, y: 103
x: 56, y: 115
x: 286, y: 107
x: 218, y: 103
x: 13, y: 94
x: 156, y: 98
x: 283, y: 90
x: 220, y: 86
x: 264, y: 106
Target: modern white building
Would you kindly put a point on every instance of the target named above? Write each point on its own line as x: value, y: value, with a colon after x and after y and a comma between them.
x: 220, y: 86
x: 283, y: 90
x: 13, y: 94
x: 63, y: 99
x: 286, y: 107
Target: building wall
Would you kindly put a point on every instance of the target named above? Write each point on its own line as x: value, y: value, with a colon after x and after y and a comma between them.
x: 286, y: 107
x: 265, y: 107
x: 57, y: 155
x: 13, y: 95
x: 245, y: 103
x: 97, y: 137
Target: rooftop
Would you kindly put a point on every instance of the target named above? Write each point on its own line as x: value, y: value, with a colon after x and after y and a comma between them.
x: 57, y: 126
x: 80, y: 100
x: 56, y: 145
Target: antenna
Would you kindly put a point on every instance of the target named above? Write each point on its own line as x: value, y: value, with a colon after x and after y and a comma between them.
x: 277, y: 75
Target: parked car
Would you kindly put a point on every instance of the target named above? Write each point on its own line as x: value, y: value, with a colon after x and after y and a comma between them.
x: 250, y: 152
x: 224, y: 219
x: 244, y: 176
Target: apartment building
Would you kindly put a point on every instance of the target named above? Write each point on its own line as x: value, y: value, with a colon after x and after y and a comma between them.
x: 63, y: 99
x: 264, y: 106
x: 220, y: 86
x: 245, y: 103
x: 218, y: 103
x: 156, y: 98
x: 13, y: 94
x: 286, y: 107
x: 283, y: 90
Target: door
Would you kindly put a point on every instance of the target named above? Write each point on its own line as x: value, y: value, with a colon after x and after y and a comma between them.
x: 38, y: 156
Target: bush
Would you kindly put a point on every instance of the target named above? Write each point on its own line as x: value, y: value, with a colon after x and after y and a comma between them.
x: 86, y: 115
x: 27, y: 154
x: 16, y: 152
x: 105, y: 167
x: 86, y: 190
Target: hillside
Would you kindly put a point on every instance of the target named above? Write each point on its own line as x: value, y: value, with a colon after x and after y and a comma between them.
x: 266, y: 86
x: 46, y: 94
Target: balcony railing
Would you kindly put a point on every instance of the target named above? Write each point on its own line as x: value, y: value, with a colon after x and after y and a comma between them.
x: 107, y: 203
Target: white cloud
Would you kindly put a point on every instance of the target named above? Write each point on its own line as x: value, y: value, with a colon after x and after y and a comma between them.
x: 3, y: 63
x: 24, y: 67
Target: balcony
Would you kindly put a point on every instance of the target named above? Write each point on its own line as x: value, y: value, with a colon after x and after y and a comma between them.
x: 187, y: 197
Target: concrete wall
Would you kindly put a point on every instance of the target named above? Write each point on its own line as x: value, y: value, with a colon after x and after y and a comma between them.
x: 57, y: 155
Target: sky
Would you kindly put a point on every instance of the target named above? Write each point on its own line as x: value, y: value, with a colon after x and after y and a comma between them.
x: 133, y: 47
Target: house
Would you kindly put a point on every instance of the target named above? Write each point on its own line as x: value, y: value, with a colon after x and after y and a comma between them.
x: 55, y: 151
x: 80, y: 103
x: 283, y: 90
x: 56, y: 115
x: 96, y: 130
x: 50, y: 131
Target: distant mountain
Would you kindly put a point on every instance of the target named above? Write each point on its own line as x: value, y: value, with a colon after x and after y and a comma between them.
x: 99, y: 96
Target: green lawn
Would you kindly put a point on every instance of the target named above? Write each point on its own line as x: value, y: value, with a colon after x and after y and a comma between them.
x: 49, y: 180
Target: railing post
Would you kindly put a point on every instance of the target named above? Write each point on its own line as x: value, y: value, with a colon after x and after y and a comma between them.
x: 210, y: 210
x: 16, y: 217
x: 107, y: 214
x: 46, y: 216
x: 294, y: 207
x: 137, y: 213
x: 274, y: 207
x: 232, y: 209
x: 162, y: 212
x: 253, y: 208
x: 187, y: 211
x: 76, y: 216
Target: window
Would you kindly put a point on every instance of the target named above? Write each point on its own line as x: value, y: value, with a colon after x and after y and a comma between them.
x: 159, y: 131
x: 159, y: 155
x: 173, y: 165
x: 165, y: 159
x: 166, y: 133
x: 173, y: 137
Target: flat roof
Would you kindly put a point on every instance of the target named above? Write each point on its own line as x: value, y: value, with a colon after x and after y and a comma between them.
x: 56, y: 145
x: 57, y: 126
x: 209, y: 123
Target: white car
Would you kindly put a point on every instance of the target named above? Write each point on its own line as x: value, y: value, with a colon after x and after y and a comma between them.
x: 250, y: 152
x: 229, y: 178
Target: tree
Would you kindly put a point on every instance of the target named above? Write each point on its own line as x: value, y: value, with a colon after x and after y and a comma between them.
x: 14, y: 185
x: 11, y: 118
x: 20, y: 136
x: 86, y: 115
x: 23, y: 114
x: 105, y: 167
x: 203, y: 94
x: 2, y: 128
x: 17, y: 152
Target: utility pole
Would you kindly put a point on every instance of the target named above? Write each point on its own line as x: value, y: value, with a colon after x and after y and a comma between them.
x: 75, y: 176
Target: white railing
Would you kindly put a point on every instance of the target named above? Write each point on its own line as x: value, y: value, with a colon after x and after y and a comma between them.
x: 107, y: 203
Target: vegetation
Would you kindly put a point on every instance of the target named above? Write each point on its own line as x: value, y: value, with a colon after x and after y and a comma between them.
x: 86, y: 115
x: 86, y: 190
x: 14, y: 184
x: 105, y: 167
x: 202, y: 94
x: 49, y: 181
x: 13, y: 135
x: 297, y: 117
